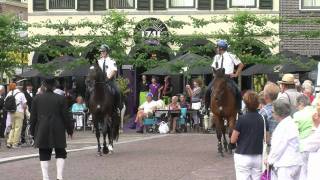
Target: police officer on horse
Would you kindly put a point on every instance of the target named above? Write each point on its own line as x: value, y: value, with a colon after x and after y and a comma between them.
x: 109, y: 67
x: 227, y: 61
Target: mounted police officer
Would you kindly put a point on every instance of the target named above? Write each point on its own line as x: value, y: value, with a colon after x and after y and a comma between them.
x: 226, y: 60
x: 109, y: 67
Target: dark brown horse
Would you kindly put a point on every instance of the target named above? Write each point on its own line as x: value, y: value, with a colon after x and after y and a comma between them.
x: 101, y: 103
x: 223, y: 107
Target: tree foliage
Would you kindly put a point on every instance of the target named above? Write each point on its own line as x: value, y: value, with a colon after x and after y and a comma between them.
x: 13, y: 45
x: 245, y: 36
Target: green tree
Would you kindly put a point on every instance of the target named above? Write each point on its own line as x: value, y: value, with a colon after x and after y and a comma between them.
x: 12, y: 52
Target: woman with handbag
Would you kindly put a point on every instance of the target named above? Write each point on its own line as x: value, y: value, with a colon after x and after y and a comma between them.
x: 249, y: 135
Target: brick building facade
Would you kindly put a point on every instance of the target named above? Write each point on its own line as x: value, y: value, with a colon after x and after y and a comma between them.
x: 294, y: 9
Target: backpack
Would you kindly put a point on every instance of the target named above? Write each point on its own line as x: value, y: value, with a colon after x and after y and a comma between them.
x: 10, y: 103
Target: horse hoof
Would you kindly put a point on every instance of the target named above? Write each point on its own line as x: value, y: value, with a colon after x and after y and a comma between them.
x: 99, y: 154
x: 105, y: 150
x: 110, y: 148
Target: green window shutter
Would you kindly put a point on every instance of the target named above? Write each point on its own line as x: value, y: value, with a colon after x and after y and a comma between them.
x: 83, y: 5
x: 143, y: 5
x: 39, y: 5
x: 266, y: 4
x: 159, y: 4
x: 99, y: 5
x: 204, y: 4
x: 220, y: 4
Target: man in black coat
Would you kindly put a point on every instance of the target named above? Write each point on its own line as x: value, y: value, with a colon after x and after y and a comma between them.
x: 29, y: 94
x: 49, y: 123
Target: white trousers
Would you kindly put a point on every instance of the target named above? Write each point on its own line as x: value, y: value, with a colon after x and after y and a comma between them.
x: 286, y: 173
x: 248, y: 167
x: 304, y: 167
x: 313, y: 166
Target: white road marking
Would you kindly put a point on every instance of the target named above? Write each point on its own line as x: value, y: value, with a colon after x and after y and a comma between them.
x: 27, y: 156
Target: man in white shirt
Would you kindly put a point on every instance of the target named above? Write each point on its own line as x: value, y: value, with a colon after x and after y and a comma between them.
x: 109, y: 67
x: 227, y: 61
x: 145, y: 110
x: 284, y: 154
x: 17, y: 116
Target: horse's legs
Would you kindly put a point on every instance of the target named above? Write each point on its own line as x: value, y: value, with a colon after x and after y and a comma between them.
x: 219, y: 133
x: 110, y: 138
x: 105, y: 150
x: 231, y: 126
x: 225, y: 143
x: 96, y: 125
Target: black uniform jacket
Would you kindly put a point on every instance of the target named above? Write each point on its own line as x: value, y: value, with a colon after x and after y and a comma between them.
x: 50, y: 120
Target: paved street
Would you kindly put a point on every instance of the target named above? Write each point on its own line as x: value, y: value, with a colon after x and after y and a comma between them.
x: 178, y: 157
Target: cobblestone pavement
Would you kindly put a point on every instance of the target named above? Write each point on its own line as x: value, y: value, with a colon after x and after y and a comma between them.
x: 148, y: 156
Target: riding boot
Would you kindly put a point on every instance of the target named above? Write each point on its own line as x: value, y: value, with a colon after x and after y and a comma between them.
x: 238, y: 99
x: 44, y: 168
x: 60, y: 167
x: 208, y: 95
x: 208, y: 98
x: 237, y: 94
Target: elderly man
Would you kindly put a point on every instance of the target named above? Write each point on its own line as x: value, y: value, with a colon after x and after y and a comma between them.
x: 303, y: 119
x: 284, y: 154
x: 270, y: 93
x: 145, y: 110
x: 289, y: 92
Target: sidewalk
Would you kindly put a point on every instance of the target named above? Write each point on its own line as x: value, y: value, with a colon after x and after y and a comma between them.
x: 80, y: 140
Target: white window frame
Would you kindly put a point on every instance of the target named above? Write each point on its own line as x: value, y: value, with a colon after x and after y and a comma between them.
x: 244, y: 6
x: 133, y: 7
x: 63, y: 10
x: 308, y: 8
x: 182, y: 7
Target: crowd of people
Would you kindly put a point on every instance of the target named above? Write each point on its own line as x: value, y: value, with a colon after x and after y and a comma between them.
x: 154, y: 96
x: 282, y: 119
x: 13, y: 122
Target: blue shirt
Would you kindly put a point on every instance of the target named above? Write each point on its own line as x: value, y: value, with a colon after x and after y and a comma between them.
x: 266, y: 112
x: 78, y: 107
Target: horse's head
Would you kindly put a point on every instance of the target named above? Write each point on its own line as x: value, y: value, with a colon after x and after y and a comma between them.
x: 219, y: 72
x: 219, y: 88
x: 95, y: 74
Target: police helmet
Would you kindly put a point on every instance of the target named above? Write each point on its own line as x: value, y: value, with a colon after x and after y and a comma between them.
x: 222, y: 44
x: 105, y: 48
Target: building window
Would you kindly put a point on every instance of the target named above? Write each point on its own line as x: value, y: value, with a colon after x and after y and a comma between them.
x: 121, y: 4
x: 61, y: 4
x: 182, y: 3
x: 243, y: 3
x: 310, y: 4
